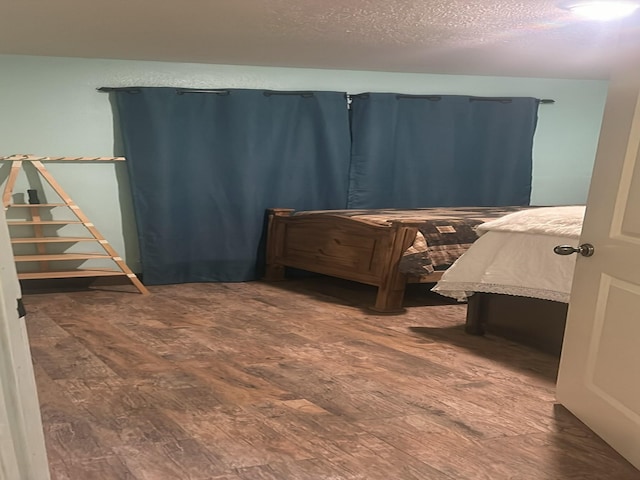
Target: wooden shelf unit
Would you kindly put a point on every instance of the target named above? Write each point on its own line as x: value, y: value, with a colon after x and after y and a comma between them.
x: 40, y: 240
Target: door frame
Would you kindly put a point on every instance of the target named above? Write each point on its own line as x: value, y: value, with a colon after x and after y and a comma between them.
x: 22, y: 449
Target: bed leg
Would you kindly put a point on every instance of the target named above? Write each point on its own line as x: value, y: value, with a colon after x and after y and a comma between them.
x: 389, y: 303
x: 393, y: 283
x: 274, y: 273
x: 275, y: 240
x: 390, y: 297
x: 475, y: 315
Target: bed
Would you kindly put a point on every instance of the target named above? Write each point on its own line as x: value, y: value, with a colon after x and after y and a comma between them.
x: 384, y: 248
x: 515, y: 285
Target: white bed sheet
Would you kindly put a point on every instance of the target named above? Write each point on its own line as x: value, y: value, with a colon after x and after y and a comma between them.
x: 514, y: 263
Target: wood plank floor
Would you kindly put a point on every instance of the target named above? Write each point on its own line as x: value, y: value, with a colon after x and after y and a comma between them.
x: 294, y: 380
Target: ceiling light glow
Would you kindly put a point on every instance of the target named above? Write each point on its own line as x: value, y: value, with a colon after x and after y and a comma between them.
x: 602, y: 10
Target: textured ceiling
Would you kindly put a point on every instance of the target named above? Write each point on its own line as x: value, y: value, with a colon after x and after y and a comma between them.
x: 488, y: 37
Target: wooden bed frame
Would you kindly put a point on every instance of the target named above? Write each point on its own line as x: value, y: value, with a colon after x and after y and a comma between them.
x: 530, y: 321
x: 370, y: 254
x: 344, y: 248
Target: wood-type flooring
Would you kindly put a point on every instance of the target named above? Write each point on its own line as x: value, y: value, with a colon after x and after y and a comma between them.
x: 294, y: 380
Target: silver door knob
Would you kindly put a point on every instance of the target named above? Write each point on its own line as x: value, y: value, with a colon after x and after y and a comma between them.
x: 586, y: 249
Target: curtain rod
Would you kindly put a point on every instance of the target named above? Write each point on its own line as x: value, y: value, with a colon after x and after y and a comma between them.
x: 306, y: 94
x: 506, y: 99
x: 119, y: 89
x: 179, y: 91
x: 435, y: 98
x: 183, y: 91
x: 267, y: 93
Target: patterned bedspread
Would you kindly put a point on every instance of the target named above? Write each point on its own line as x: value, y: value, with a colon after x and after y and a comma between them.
x: 386, y: 216
x: 443, y: 235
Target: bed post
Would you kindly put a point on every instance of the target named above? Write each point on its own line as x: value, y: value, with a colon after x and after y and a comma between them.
x: 475, y: 314
x: 275, y: 241
x: 391, y: 290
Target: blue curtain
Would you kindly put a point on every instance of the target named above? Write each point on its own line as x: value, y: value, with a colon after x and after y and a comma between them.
x: 204, y: 166
x: 412, y: 151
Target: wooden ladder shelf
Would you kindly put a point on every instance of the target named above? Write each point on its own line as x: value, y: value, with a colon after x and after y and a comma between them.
x: 40, y: 240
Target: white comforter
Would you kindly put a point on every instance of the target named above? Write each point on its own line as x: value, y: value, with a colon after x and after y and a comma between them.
x: 514, y: 256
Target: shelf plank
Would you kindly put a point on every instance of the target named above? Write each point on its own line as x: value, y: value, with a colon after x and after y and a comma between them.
x: 38, y: 205
x: 53, y: 239
x: 69, y: 274
x: 34, y: 158
x: 44, y: 222
x: 61, y: 256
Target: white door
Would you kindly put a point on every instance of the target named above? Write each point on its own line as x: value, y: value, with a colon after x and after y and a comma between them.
x: 22, y: 450
x: 599, y: 378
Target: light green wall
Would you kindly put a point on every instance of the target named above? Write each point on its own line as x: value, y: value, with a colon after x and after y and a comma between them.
x: 50, y: 107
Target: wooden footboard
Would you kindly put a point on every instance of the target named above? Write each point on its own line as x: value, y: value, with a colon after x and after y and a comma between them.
x: 531, y: 321
x: 343, y: 248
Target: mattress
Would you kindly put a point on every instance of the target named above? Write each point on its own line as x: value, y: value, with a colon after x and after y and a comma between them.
x: 514, y: 256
